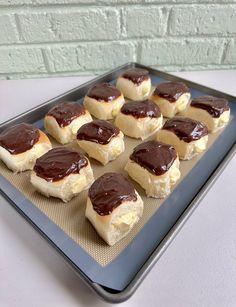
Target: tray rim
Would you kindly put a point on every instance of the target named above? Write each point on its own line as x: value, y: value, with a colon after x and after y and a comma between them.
x: 125, y: 294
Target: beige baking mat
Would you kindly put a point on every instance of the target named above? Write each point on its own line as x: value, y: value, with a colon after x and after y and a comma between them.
x: 70, y: 217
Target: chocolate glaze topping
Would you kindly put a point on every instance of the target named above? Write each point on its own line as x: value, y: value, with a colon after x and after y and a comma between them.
x: 104, y: 92
x: 141, y: 109
x: 136, y: 75
x: 171, y: 90
x: 213, y: 105
x: 109, y: 191
x: 155, y: 156
x: 58, y: 163
x: 98, y: 131
x: 66, y: 112
x: 186, y: 129
x: 19, y: 138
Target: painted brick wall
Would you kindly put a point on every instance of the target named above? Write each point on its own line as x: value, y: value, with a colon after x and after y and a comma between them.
x: 78, y: 37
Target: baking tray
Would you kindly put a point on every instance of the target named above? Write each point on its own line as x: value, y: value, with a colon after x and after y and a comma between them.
x: 117, y: 281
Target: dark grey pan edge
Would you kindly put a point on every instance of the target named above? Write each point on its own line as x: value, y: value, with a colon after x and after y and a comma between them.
x: 191, y: 84
x: 157, y: 253
x: 34, y: 114
x: 118, y: 297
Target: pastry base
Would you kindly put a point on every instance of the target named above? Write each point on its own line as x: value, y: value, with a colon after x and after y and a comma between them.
x: 154, y: 186
x: 186, y: 151
x: 115, y: 226
x: 133, y: 91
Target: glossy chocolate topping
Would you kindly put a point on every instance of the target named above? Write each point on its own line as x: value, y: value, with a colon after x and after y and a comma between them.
x: 19, y: 138
x: 154, y: 156
x: 98, y: 131
x: 136, y: 75
x: 213, y: 105
x: 109, y: 191
x: 58, y: 163
x: 104, y: 92
x: 141, y: 109
x: 171, y: 90
x: 66, y: 112
x: 186, y: 129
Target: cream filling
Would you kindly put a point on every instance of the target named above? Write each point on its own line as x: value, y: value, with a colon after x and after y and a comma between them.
x: 113, y: 227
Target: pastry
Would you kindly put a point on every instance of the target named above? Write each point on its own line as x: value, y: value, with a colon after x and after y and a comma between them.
x: 188, y: 136
x: 155, y: 166
x: 21, y: 145
x: 101, y: 140
x: 139, y: 119
x: 113, y: 206
x: 104, y: 101
x: 62, y: 172
x: 63, y: 121
x: 171, y: 97
x: 134, y: 83
x: 212, y: 111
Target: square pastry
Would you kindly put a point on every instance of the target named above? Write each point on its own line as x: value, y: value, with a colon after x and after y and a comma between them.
x: 101, y: 140
x: 188, y: 136
x: 171, y: 97
x: 155, y: 166
x: 139, y: 119
x: 63, y: 121
x: 62, y: 172
x: 134, y: 83
x: 104, y: 101
x: 21, y: 145
x: 113, y: 207
x: 212, y: 111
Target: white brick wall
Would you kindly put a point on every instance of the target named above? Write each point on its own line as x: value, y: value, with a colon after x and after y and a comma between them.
x: 72, y: 37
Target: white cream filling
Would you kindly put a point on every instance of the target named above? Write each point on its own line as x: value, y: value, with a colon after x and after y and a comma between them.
x: 115, y: 226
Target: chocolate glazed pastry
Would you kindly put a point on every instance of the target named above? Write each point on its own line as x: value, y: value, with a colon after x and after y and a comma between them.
x: 113, y: 207
x: 213, y: 105
x: 155, y: 156
x: 58, y: 163
x: 109, y: 191
x: 171, y: 90
x: 141, y: 109
x: 104, y: 92
x: 66, y: 112
x: 98, y: 131
x: 136, y: 75
x: 19, y: 138
x: 186, y: 129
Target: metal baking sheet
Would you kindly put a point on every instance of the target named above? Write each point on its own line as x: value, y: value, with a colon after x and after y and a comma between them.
x: 110, y: 282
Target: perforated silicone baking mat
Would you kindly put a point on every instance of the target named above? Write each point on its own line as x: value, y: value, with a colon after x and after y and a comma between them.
x: 66, y: 226
x: 70, y: 217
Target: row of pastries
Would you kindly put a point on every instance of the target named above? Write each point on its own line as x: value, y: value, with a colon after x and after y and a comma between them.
x: 113, y: 205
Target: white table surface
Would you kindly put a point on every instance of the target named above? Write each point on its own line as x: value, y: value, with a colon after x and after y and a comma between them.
x: 198, y: 268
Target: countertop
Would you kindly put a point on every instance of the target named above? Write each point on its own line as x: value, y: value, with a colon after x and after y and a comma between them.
x: 197, y: 269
